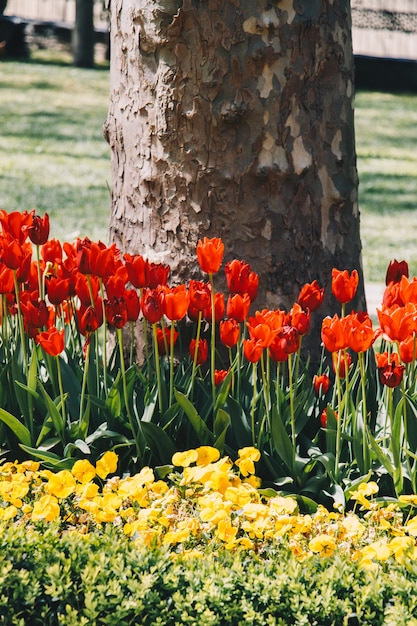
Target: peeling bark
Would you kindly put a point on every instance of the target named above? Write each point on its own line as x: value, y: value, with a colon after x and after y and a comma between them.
x: 235, y: 118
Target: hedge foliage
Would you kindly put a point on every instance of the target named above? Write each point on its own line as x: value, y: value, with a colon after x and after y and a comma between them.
x: 102, y: 578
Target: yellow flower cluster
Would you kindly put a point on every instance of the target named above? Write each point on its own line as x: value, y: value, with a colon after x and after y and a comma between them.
x: 207, y: 502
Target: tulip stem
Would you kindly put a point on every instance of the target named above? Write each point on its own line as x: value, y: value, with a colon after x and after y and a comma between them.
x: 157, y: 367
x: 171, y: 362
x: 20, y: 318
x: 84, y: 383
x: 61, y: 391
x: 254, y: 377
x: 213, y: 341
x: 119, y: 332
x: 365, y: 452
x: 339, y: 419
x: 292, y: 411
x: 197, y: 340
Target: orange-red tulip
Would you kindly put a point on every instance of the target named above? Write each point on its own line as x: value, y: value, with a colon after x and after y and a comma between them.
x: 321, y: 384
x: 252, y: 349
x: 176, y: 301
x: 202, y: 350
x: 333, y: 334
x: 229, y: 332
x: 344, y: 285
x: 311, y: 296
x: 52, y: 341
x: 210, y: 254
x: 238, y: 306
x: 390, y: 370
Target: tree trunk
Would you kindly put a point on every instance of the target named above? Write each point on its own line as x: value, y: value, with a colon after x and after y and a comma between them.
x: 234, y: 118
x: 84, y: 34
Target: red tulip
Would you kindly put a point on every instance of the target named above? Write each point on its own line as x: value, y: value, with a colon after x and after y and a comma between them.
x: 90, y: 318
x: 238, y: 306
x: 252, y: 349
x: 132, y: 304
x: 176, y: 300
x: 321, y: 384
x: 219, y: 376
x: 229, y: 332
x: 311, y: 296
x: 389, y: 368
x: 344, y: 285
x: 202, y: 350
x: 52, y: 341
x: 14, y: 224
x: 341, y: 362
x: 361, y: 335
x: 300, y: 319
x: 333, y: 334
x: 116, y: 311
x: 218, y: 309
x: 152, y: 305
x: 396, y: 269
x: 237, y: 276
x: 136, y: 267
x: 52, y: 252
x: 163, y: 338
x: 200, y: 295
x: 38, y: 229
x: 58, y: 289
x: 210, y: 254
x: 157, y: 274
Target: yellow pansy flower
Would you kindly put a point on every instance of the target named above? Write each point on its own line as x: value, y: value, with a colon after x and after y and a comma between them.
x: 107, y: 464
x: 184, y: 459
x: 323, y: 544
x: 207, y: 455
x: 83, y: 471
x: 46, y: 508
x: 61, y: 485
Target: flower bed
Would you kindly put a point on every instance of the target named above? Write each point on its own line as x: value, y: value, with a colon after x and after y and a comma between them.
x: 64, y: 397
x: 203, y: 546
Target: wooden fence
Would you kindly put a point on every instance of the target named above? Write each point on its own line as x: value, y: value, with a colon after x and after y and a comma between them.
x: 381, y: 28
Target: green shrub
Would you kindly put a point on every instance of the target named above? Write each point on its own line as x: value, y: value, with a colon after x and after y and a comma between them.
x: 103, y: 579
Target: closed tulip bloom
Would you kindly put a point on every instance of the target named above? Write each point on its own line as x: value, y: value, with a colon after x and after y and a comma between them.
x: 35, y: 312
x: 14, y: 223
x: 389, y: 368
x: 237, y: 276
x: 38, y: 229
x: 104, y: 260
x: 219, y: 308
x: 289, y: 338
x: 202, y: 350
x: 200, y: 295
x: 90, y: 318
x: 52, y: 252
x: 341, y: 362
x: 163, y: 338
x: 238, y: 306
x: 132, y: 304
x: 52, y: 341
x: 116, y: 311
x: 392, y: 295
x: 58, y: 289
x: 219, y: 376
x: 311, y: 296
x: 321, y: 384
x: 6, y: 280
x: 395, y: 270
x: 229, y: 332
x: 176, y: 302
x: 300, y: 319
x: 86, y: 289
x: 333, y: 334
x: 12, y: 252
x: 344, y: 285
x: 157, y: 274
x: 152, y: 305
x: 210, y: 254
x: 408, y: 349
x: 137, y: 270
x: 252, y: 350
x: 277, y: 352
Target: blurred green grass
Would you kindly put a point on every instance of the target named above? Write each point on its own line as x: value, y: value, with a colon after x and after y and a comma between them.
x: 386, y: 145
x: 53, y: 157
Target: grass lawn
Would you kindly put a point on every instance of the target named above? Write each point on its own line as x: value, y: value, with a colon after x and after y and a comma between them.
x: 386, y: 144
x: 53, y: 157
